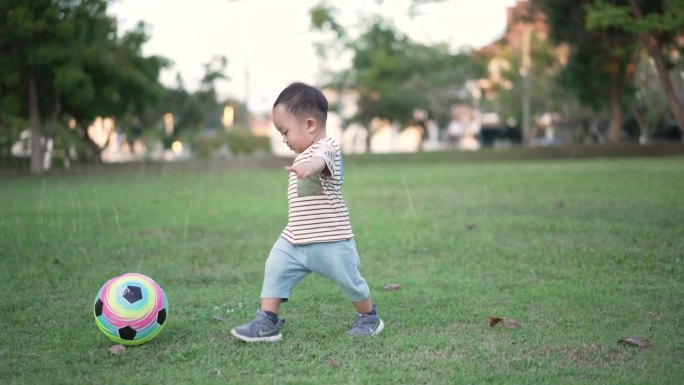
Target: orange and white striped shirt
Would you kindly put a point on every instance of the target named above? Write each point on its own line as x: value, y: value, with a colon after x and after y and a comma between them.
x: 316, y: 209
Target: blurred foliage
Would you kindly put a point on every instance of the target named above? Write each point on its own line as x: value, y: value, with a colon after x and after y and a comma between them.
x: 600, y: 65
x: 228, y: 143
x: 323, y: 18
x: 665, y: 18
x: 83, y: 67
x: 392, y: 74
x: 607, y: 39
x: 10, y: 131
x: 658, y: 26
x: 69, y: 55
x: 544, y: 92
x: 206, y: 146
x: 242, y: 142
x: 197, y: 115
x: 649, y: 108
x: 395, y: 75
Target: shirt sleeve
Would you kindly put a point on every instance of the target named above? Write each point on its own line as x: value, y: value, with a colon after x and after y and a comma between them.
x: 329, y: 154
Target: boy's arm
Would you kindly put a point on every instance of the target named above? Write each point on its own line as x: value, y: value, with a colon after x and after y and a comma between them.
x: 315, y: 166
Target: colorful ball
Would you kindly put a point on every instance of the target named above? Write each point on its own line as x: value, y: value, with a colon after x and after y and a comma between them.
x: 131, y: 309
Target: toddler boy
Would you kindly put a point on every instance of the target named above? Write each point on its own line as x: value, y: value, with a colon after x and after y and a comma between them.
x: 318, y: 237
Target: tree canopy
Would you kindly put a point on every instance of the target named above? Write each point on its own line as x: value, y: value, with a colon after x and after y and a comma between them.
x: 63, y: 61
x: 601, y: 62
x: 658, y: 26
x: 394, y: 75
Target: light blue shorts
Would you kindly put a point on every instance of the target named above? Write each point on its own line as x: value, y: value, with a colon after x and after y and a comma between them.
x: 288, y: 264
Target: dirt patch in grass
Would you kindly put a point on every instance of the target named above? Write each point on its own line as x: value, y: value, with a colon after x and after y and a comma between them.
x: 588, y: 356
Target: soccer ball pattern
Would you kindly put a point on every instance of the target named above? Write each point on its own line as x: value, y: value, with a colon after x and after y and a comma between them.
x: 131, y: 309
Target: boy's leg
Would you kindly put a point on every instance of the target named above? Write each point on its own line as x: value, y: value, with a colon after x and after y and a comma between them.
x: 271, y: 304
x: 282, y: 272
x: 260, y: 329
x: 339, y: 261
x: 364, y: 307
x: 368, y: 322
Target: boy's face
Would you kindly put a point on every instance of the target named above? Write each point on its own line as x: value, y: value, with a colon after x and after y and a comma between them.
x: 298, y: 133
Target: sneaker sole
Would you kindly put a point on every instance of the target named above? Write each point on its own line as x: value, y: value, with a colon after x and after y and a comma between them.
x: 274, y: 338
x: 377, y: 330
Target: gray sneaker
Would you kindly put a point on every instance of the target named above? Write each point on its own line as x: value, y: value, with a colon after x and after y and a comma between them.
x: 260, y: 329
x: 367, y: 325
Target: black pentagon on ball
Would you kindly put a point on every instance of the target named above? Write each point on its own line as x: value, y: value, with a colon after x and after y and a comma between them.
x: 132, y: 294
x: 161, y: 316
x: 98, y: 307
x: 127, y: 333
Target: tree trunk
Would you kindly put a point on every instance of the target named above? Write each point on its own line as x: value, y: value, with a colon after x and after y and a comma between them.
x: 369, y: 136
x: 50, y: 133
x: 663, y: 74
x: 644, y: 130
x: 36, y: 131
x: 368, y: 126
x: 653, y: 48
x: 615, y: 130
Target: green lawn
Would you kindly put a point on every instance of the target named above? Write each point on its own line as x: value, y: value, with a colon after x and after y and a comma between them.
x: 582, y: 253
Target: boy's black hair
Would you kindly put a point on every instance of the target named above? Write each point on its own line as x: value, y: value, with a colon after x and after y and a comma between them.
x: 300, y: 99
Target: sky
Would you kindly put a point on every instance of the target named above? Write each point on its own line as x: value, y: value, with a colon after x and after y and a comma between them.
x: 269, y: 43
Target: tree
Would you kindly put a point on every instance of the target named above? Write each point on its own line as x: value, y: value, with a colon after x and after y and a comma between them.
x: 649, y: 106
x: 658, y: 25
x: 392, y: 74
x: 395, y: 75
x: 206, y: 96
x: 600, y: 64
x: 544, y: 94
x: 194, y: 111
x: 124, y: 83
x: 29, y: 43
x: 62, y: 60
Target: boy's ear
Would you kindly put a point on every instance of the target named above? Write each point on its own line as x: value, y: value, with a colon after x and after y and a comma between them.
x: 311, y: 124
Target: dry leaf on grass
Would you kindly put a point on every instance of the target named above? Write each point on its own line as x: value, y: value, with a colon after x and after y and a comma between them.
x: 334, y: 363
x: 494, y: 320
x: 117, y: 349
x: 392, y: 287
x: 220, y: 318
x: 639, y: 343
x: 509, y: 323
x: 471, y: 226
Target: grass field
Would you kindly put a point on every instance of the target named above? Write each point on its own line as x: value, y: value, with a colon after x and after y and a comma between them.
x: 582, y: 253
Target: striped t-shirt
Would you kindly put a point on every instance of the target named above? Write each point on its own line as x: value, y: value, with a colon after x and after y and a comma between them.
x: 316, y: 209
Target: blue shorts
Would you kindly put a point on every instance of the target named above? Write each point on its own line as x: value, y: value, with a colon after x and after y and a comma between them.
x: 288, y: 264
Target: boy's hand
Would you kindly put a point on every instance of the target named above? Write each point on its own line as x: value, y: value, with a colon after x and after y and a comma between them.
x: 303, y: 170
x: 306, y: 169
